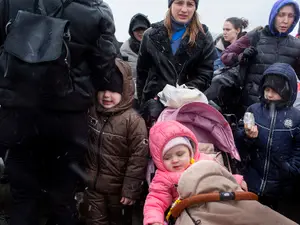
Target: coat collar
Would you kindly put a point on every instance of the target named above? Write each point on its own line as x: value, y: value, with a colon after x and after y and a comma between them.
x: 159, y: 36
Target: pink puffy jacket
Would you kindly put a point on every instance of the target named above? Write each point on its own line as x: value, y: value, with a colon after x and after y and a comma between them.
x: 162, y: 190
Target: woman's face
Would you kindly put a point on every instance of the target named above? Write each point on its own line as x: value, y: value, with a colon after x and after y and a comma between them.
x: 183, y: 10
x: 284, y: 19
x: 230, y: 34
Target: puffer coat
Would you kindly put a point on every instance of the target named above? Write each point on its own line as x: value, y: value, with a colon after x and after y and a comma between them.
x: 118, y: 138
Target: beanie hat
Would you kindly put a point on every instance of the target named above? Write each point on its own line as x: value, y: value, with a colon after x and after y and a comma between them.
x: 178, y: 141
x: 114, y: 84
x: 279, y: 84
x: 171, y: 1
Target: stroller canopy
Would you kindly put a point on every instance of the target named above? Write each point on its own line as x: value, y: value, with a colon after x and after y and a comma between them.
x: 207, y: 123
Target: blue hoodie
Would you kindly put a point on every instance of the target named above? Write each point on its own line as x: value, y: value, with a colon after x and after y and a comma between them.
x: 276, y: 8
x: 275, y: 153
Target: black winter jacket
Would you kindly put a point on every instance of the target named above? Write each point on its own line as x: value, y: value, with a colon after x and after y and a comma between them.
x: 157, y: 66
x: 92, y: 52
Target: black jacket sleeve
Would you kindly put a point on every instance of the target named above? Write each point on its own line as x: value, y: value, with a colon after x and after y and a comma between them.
x: 3, y: 19
x: 143, y: 65
x: 205, y: 65
x: 104, y: 52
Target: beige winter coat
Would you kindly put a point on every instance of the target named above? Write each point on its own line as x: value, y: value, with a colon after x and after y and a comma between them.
x: 209, y: 176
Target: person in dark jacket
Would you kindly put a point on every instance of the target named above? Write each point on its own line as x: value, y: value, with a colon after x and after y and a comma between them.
x: 130, y: 48
x: 274, y: 45
x: 178, y: 50
x: 48, y: 137
x: 118, y: 153
x: 232, y: 31
x: 273, y: 144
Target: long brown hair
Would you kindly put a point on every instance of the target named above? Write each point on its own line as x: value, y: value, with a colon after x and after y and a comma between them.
x: 192, y: 30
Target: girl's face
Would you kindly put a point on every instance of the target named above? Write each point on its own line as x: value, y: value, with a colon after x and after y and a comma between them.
x: 183, y: 10
x: 230, y: 34
x: 177, y: 158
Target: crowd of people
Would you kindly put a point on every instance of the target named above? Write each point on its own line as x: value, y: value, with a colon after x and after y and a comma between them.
x: 78, y: 113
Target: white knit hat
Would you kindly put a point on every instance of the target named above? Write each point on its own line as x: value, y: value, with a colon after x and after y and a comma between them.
x: 178, y: 141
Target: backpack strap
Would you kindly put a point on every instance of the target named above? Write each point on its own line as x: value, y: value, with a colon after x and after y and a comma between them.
x: 63, y: 6
x: 39, y: 7
x: 255, y: 37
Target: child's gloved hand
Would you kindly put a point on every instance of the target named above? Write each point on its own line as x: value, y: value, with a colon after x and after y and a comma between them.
x: 127, y: 201
x: 251, y: 132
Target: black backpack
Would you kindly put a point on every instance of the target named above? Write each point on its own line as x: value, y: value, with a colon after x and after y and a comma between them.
x: 36, y: 51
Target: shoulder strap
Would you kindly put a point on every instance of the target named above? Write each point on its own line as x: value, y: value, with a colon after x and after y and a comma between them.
x: 254, y: 36
x: 40, y: 8
x: 243, y: 69
x: 63, y: 6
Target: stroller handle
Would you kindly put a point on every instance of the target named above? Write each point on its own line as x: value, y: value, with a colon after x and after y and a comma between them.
x: 177, y: 209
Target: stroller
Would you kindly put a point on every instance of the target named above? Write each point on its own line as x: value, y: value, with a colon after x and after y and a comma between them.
x: 209, y: 126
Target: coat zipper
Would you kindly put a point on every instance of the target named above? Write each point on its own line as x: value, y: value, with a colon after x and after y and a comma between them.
x: 267, y: 161
x: 99, y: 158
x: 177, y: 74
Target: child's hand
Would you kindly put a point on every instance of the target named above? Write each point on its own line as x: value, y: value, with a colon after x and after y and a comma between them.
x: 252, y: 132
x: 127, y: 201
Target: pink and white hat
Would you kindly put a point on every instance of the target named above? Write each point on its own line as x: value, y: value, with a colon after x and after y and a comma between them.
x: 178, y: 141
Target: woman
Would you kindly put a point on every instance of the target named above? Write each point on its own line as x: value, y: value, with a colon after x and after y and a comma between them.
x: 178, y: 50
x: 130, y: 49
x: 232, y: 31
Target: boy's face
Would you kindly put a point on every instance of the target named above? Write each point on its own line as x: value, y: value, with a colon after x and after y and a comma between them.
x: 271, y: 95
x: 108, y: 99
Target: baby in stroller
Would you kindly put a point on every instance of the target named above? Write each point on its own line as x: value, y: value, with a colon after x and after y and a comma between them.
x: 206, y: 179
x: 173, y: 147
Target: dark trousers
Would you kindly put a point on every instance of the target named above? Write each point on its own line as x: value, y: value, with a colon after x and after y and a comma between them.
x: 42, y: 147
x: 104, y: 209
